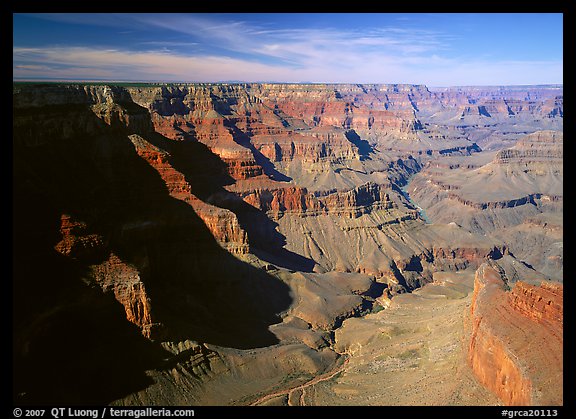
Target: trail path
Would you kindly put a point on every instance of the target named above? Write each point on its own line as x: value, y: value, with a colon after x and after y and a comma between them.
x: 302, y: 387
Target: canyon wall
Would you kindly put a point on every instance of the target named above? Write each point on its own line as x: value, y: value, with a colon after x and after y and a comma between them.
x: 515, y: 343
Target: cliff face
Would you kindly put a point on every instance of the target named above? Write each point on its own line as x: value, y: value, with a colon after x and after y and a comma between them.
x: 502, y: 102
x: 544, y: 304
x: 280, y: 149
x: 298, y: 201
x: 222, y: 223
x: 515, y: 343
x: 537, y: 152
x: 124, y: 281
x: 283, y: 122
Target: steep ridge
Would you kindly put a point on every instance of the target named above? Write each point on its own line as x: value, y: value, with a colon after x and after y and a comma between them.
x: 233, y: 225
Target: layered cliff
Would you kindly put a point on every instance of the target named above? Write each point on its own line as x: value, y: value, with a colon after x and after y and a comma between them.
x: 515, y: 343
x: 476, y: 103
x: 536, y: 152
x: 544, y: 304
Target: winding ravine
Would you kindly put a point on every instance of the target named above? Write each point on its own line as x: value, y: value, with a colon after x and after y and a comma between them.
x: 405, y: 194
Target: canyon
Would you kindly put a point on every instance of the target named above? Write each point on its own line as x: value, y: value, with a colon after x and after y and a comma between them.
x: 287, y: 244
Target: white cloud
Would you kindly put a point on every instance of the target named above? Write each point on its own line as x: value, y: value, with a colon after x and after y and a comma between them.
x: 126, y: 65
x: 240, y: 51
x: 91, y: 63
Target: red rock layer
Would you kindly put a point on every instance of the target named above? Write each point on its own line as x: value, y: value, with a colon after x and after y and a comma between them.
x: 542, y: 304
x: 279, y: 199
x: 387, y: 108
x: 319, y: 143
x: 510, y: 350
x: 222, y: 223
x: 283, y: 122
x: 76, y: 242
x: 124, y: 281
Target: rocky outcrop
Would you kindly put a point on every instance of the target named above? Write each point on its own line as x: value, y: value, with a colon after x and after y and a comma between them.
x: 515, y: 340
x: 277, y: 200
x: 361, y: 199
x: 76, y: 241
x: 113, y: 275
x: 314, y: 145
x: 123, y: 280
x: 416, y: 271
x: 542, y: 304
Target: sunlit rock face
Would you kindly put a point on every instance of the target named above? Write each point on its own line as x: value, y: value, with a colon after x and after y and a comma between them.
x: 516, y: 339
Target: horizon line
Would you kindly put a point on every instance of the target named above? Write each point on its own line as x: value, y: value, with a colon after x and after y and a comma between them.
x: 240, y: 82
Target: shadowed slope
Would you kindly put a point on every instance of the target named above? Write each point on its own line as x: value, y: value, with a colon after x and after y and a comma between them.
x: 196, y: 290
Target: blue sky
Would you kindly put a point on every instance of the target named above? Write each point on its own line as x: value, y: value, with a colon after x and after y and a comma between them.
x: 432, y: 49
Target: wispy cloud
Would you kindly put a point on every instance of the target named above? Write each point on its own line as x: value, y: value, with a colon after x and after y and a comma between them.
x: 170, y: 43
x: 205, y: 48
x: 299, y: 45
x: 123, y: 65
x: 92, y: 63
x: 32, y: 67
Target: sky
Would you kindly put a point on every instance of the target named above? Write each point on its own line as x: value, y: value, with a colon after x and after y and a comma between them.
x: 434, y: 49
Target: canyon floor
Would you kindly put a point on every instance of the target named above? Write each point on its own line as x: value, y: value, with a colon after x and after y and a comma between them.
x: 287, y: 244
x: 409, y: 354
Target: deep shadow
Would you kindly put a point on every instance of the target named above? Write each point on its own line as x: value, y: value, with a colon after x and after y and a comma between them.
x: 364, y: 147
x: 483, y: 111
x: 222, y: 105
x: 376, y: 289
x: 191, y: 159
x: 73, y: 343
x: 415, y: 264
x: 496, y: 254
x: 207, y: 175
x: 527, y: 265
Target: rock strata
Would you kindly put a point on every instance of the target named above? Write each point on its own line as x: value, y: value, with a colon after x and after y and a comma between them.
x: 513, y: 334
